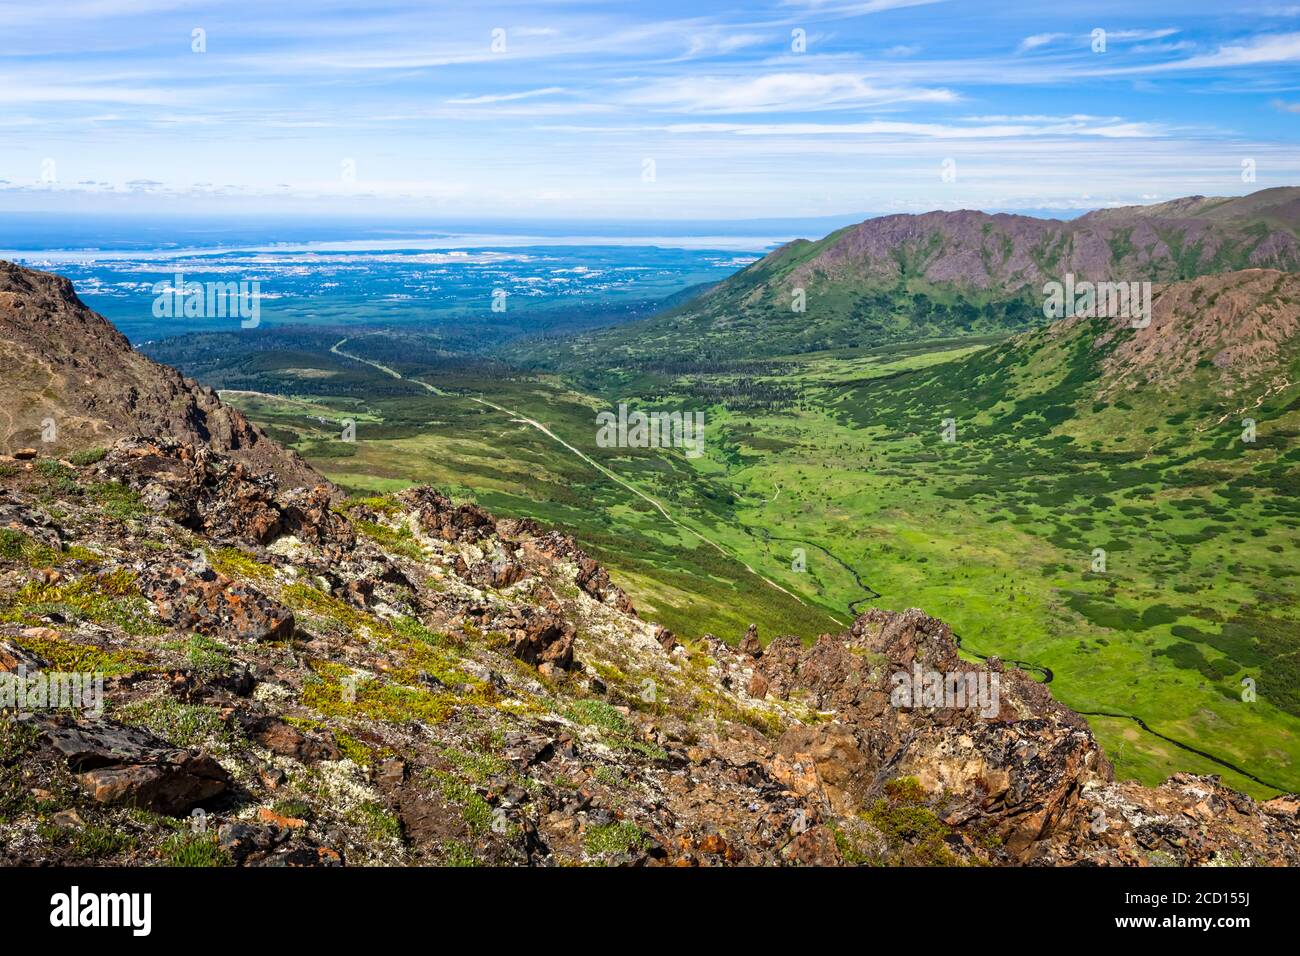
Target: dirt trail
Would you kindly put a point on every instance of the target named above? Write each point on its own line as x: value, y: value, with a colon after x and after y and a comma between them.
x: 519, y: 417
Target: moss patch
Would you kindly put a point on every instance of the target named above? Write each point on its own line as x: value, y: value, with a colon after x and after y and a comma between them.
x: 913, y: 829
x: 614, y: 839
x: 117, y: 500
x: 180, y: 724
x: 339, y: 614
x: 234, y: 563
x: 328, y: 692
x: 24, y: 549
x: 70, y: 657
x: 395, y: 540
x: 193, y: 849
x: 111, y: 600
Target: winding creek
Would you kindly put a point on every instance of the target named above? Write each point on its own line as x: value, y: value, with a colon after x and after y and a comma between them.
x: 1045, y: 672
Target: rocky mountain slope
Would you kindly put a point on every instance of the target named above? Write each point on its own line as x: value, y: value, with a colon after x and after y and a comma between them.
x: 911, y: 277
x: 1242, y: 327
x: 1216, y: 346
x: 71, y: 381
x: 402, y: 680
x: 292, y: 680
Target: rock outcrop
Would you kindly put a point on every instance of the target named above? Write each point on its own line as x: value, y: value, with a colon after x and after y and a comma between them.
x: 485, y: 693
x: 120, y: 765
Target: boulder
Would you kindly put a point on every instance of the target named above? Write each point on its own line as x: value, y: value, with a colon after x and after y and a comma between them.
x: 122, y: 765
x: 544, y: 638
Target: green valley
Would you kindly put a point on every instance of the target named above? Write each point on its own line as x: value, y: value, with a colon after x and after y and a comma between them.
x: 843, y: 455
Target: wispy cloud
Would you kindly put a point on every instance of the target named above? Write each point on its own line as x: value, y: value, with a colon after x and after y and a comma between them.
x: 993, y: 127
x: 1140, y: 35
x: 1257, y: 51
x: 1039, y: 39
x: 506, y: 97
x: 843, y: 8
x: 779, y: 92
x: 1112, y: 36
x: 25, y: 92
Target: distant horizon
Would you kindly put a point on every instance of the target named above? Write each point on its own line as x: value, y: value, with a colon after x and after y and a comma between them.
x: 34, y: 230
x: 431, y: 221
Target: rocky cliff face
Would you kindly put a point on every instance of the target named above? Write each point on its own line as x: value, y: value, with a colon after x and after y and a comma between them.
x: 69, y: 381
x: 403, y: 680
x: 1243, y: 325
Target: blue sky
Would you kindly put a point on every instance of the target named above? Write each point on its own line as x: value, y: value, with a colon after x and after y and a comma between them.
x: 640, y: 110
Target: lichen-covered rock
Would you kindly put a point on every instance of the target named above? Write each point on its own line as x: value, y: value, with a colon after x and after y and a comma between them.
x: 213, y: 604
x: 590, y: 576
x: 440, y: 517
x: 13, y: 656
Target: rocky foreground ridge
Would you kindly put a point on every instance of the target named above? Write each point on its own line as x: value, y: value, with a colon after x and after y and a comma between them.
x: 404, y: 680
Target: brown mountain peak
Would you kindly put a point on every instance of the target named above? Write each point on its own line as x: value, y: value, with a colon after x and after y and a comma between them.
x: 70, y: 381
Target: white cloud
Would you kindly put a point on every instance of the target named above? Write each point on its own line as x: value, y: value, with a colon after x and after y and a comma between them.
x: 506, y: 97
x: 1112, y: 36
x: 778, y: 92
x: 1039, y: 39
x: 1261, y: 50
x: 701, y: 42
x: 842, y: 8
x: 12, y: 91
x: 988, y: 128
x: 1176, y: 47
x: 1140, y: 34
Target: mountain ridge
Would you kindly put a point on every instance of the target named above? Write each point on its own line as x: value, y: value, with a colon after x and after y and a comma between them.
x: 909, y: 277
